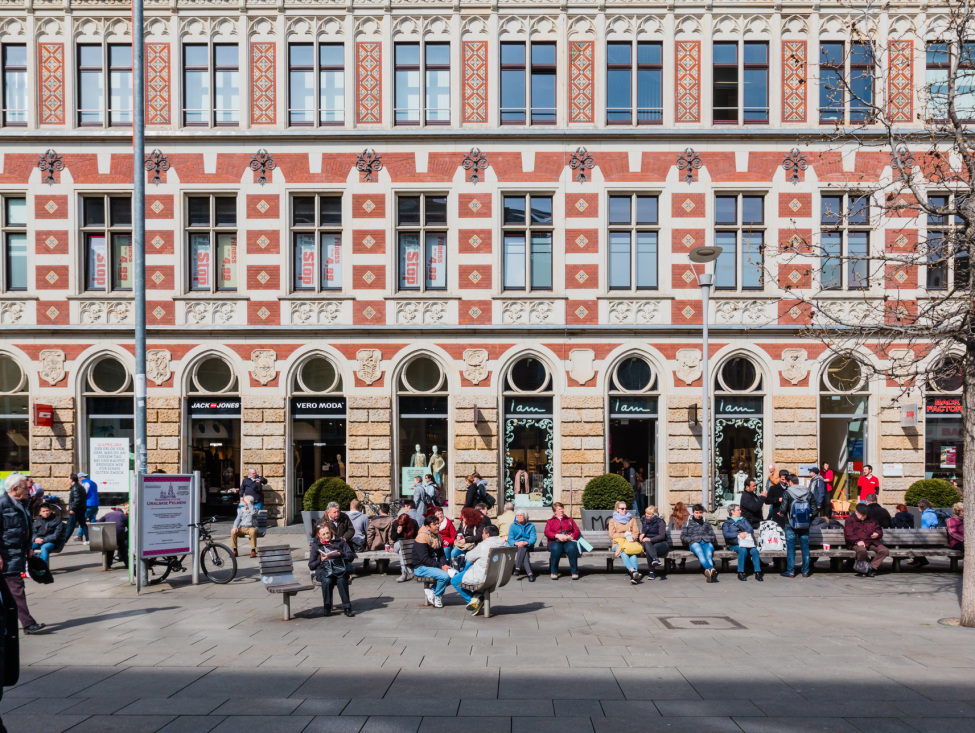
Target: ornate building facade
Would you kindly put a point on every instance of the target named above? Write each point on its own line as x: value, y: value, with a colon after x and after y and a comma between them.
x: 389, y: 239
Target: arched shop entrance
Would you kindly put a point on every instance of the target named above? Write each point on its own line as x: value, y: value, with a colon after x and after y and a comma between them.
x: 14, y: 418
x: 739, y: 428
x: 632, y: 410
x: 422, y: 413
x: 844, y: 407
x: 943, y: 427
x: 214, y: 427
x: 528, y: 458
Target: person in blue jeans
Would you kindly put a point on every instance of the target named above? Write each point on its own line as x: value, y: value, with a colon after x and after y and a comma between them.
x: 476, y: 571
x: 740, y: 536
x: 429, y: 560
x: 698, y: 535
x: 48, y: 531
x: 563, y: 535
x: 91, y: 500
x: 796, y: 493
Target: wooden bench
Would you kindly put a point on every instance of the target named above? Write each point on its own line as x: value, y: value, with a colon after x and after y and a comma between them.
x: 380, y: 557
x: 278, y: 574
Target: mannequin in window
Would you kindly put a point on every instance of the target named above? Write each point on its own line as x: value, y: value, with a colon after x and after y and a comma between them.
x: 341, y: 465
x: 522, y: 480
x: 419, y: 459
x: 437, y: 463
x: 741, y: 478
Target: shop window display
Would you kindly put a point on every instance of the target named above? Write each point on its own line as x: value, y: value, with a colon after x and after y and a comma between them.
x: 422, y: 423
x: 214, y: 412
x: 943, y: 427
x: 739, y: 428
x: 528, y: 435
x: 843, y: 417
x: 633, y: 427
x: 14, y: 418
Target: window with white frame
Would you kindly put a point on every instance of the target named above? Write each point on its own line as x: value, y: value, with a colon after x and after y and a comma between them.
x: 843, y: 74
x: 527, y: 230
x: 845, y: 258
x: 316, y: 234
x: 740, y: 82
x: 528, y: 83
x: 316, y: 84
x: 421, y: 240
x: 211, y: 84
x: 940, y: 56
x: 211, y: 234
x: 422, y: 83
x: 14, y: 59
x: 13, y: 220
x: 947, y: 263
x: 739, y: 221
x: 104, y: 67
x: 634, y: 71
x: 106, y: 231
x: 633, y: 250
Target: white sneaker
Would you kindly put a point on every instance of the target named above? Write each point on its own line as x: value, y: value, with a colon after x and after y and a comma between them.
x: 437, y: 602
x: 87, y: 542
x: 431, y: 598
x: 451, y: 572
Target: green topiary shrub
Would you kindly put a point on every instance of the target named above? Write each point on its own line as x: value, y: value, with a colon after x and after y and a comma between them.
x: 602, y: 492
x: 326, y: 490
x: 938, y: 491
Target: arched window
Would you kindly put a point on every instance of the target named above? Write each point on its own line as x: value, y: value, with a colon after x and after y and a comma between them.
x: 318, y: 426
x: 108, y: 409
x: 214, y: 411
x: 631, y: 448
x: 843, y: 410
x: 14, y: 417
x: 422, y: 411
x: 943, y: 428
x: 739, y: 427
x: 528, y: 434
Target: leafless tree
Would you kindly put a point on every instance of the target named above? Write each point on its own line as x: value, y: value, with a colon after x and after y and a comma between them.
x: 905, y: 171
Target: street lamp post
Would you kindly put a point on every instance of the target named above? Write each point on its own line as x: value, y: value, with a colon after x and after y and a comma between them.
x: 703, y: 255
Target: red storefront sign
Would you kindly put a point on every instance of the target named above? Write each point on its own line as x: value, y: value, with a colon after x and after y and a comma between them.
x: 43, y: 416
x: 942, y: 406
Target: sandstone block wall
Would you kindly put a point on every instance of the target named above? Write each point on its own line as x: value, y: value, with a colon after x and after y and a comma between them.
x: 796, y: 433
x: 581, y: 436
x: 682, y: 451
x: 476, y: 447
x: 369, y: 458
x: 262, y: 435
x: 899, y: 445
x: 53, y: 450
x: 163, y: 440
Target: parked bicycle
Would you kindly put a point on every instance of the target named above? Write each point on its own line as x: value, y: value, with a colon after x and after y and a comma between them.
x: 216, y: 560
x: 394, y: 505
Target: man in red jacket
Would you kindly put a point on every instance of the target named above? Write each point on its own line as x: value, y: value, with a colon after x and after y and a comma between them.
x: 862, y: 535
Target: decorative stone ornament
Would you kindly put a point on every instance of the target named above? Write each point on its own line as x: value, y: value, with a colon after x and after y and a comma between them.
x: 370, y: 365
x: 474, y: 162
x: 156, y: 163
x: 794, y: 162
x: 262, y: 162
x: 581, y: 161
x: 50, y: 162
x: 158, y: 366
x: 369, y: 163
x: 689, y: 161
x: 689, y: 365
x: 475, y: 365
x: 52, y: 365
x: 795, y: 366
x: 262, y: 365
x: 582, y: 365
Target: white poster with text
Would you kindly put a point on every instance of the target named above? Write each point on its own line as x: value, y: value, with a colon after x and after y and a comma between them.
x: 108, y: 464
x: 165, y: 515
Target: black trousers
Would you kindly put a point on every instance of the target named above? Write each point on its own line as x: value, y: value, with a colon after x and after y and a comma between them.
x: 328, y: 587
x: 16, y: 585
x: 655, y: 551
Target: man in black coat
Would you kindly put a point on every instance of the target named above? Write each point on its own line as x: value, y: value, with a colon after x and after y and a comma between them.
x: 751, y: 503
x: 253, y: 485
x: 15, y: 545
x: 876, y: 512
x: 9, y: 643
x: 775, y: 497
x: 77, y: 499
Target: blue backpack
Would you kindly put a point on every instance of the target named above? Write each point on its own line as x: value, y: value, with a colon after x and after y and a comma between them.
x: 800, y: 513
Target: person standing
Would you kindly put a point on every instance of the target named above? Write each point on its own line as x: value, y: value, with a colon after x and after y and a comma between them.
x: 91, y: 500
x: 752, y: 503
x: 253, y: 485
x: 827, y: 474
x: 774, y: 498
x: 406, y: 528
x: 817, y: 487
x: 9, y: 651
x: 360, y: 523
x: 868, y: 483
x: 76, y: 509
x: 15, y: 545
x: 798, y: 509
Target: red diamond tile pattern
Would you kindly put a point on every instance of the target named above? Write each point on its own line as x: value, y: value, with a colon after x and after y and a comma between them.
x: 262, y: 84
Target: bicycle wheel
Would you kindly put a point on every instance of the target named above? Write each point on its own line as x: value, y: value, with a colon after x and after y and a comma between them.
x: 218, y: 563
x: 158, y: 569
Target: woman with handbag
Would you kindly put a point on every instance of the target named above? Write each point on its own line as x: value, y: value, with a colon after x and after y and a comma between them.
x: 623, y: 533
x: 331, y: 561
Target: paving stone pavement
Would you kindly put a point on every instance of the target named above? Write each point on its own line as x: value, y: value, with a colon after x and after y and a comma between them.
x: 829, y: 653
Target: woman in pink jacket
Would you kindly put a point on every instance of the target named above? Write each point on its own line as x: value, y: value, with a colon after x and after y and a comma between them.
x: 562, y: 533
x: 956, y: 528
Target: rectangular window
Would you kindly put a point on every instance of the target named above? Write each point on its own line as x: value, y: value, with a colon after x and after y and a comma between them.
x: 938, y: 76
x: 621, y: 73
x: 211, y: 84
x: 316, y: 84
x: 845, y: 257
x: 528, y: 88
x: 836, y: 81
x: 947, y: 254
x: 316, y: 234
x: 740, y: 90
x: 740, y: 232
x: 832, y: 96
x: 106, y: 231
x: 100, y: 68
x: 212, y: 242
x: 14, y: 227
x: 633, y: 230
x: 861, y: 82
x: 14, y: 59
x: 527, y: 241
x: 422, y: 83
x: 421, y: 233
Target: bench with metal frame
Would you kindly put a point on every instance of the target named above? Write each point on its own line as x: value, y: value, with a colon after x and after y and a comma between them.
x: 278, y: 574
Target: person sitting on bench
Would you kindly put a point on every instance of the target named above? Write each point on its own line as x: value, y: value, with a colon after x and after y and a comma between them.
x: 245, y: 523
x: 476, y: 571
x: 740, y: 536
x: 862, y: 535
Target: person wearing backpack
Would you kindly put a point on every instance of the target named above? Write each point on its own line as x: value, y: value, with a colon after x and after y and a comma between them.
x: 820, y: 492
x: 799, y: 508
x: 482, y: 492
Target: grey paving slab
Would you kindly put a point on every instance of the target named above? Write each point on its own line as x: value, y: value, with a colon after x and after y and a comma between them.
x: 551, y: 725
x: 795, y: 725
x: 67, y: 681
x: 466, y: 683
x: 522, y: 708
x: 342, y: 683
x: 706, y: 708
x: 481, y: 724
x: 941, y: 725
x: 122, y: 724
x: 139, y: 682
x: 670, y: 725
x: 380, y: 724
x: 226, y: 682
x: 655, y: 684
x: 192, y: 724
x: 321, y: 706
x: 559, y: 684
x: 173, y: 706
x: 258, y: 706
x: 396, y: 706
x: 332, y: 724
x: 266, y: 724
x: 882, y: 725
x: 41, y: 723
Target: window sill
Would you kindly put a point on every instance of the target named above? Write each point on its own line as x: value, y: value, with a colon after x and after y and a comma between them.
x: 102, y: 295
x: 636, y: 295
x: 18, y: 295
x: 537, y: 295
x: 323, y: 295
x: 429, y: 295
x: 210, y: 296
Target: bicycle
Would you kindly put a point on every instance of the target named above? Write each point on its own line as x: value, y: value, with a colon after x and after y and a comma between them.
x: 216, y: 560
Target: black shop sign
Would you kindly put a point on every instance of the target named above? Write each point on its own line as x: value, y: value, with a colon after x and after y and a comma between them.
x: 214, y: 408
x: 315, y: 407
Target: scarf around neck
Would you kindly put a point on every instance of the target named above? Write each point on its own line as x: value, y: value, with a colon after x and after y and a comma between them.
x: 622, y: 518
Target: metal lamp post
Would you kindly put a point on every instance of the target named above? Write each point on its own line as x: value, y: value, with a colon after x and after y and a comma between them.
x: 701, y: 256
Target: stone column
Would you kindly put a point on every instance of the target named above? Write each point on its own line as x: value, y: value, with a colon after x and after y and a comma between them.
x: 795, y: 429
x: 581, y: 432
x: 899, y: 445
x: 682, y: 451
x: 52, y: 450
x: 163, y: 434
x: 369, y: 454
x: 262, y: 447
x: 476, y: 447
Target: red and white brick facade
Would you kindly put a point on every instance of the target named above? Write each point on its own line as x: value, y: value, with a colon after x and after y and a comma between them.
x: 580, y: 328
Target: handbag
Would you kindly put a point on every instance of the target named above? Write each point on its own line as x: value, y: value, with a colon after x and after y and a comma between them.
x: 38, y: 571
x: 862, y: 567
x: 630, y: 547
x: 771, y: 536
x: 332, y: 568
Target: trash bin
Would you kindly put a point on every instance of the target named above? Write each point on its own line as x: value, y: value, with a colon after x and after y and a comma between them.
x: 102, y: 539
